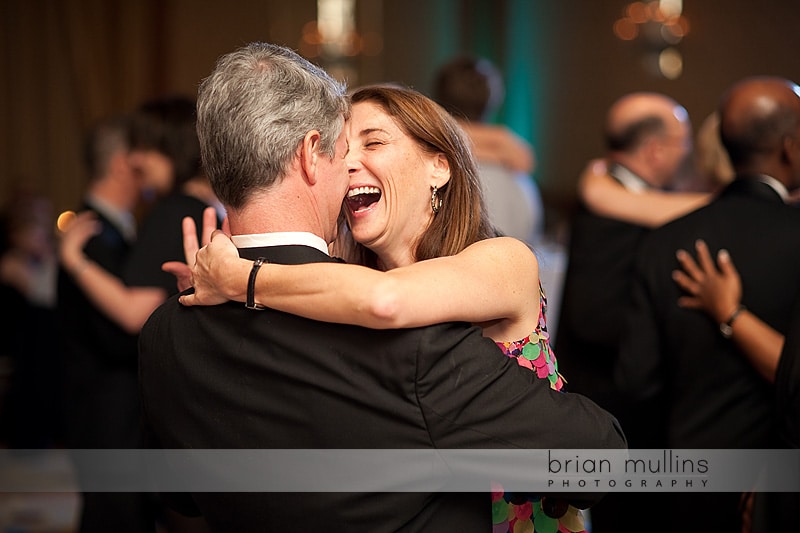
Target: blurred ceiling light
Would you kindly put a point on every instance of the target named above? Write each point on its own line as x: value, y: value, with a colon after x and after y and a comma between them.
x: 670, y: 63
x: 636, y: 12
x: 337, y: 23
x: 333, y: 35
x: 659, y: 25
x: 671, y: 8
x: 64, y: 220
x: 626, y: 29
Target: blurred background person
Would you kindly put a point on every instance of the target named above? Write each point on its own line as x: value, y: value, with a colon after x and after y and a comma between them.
x: 649, y: 137
x: 710, y: 172
x: 99, y: 357
x: 715, y: 397
x: 164, y: 156
x: 472, y: 90
x: 27, y: 257
x: 713, y: 165
x: 32, y: 414
x: 165, y: 153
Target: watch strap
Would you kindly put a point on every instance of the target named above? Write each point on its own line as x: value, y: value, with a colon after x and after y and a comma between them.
x: 726, y: 328
x: 250, y: 303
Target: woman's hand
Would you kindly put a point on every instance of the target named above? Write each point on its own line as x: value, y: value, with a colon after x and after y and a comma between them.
x: 74, y: 238
x: 217, y: 271
x: 717, y: 291
x: 183, y: 271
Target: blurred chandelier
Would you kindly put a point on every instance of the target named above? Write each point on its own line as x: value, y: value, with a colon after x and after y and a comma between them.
x: 658, y: 26
x: 334, y: 40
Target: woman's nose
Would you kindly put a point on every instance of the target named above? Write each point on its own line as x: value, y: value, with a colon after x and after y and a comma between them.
x: 352, y: 162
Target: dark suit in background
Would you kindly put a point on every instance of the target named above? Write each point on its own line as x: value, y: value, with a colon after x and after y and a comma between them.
x: 596, y: 296
x: 228, y: 377
x: 716, y: 398
x: 100, y: 377
x: 100, y: 358
x: 784, y: 506
x: 647, y: 136
x: 787, y: 383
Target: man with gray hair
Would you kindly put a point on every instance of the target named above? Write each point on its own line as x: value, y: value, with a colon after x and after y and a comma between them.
x: 273, y: 137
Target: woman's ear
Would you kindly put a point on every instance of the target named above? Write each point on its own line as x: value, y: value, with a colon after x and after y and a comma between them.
x: 441, y: 170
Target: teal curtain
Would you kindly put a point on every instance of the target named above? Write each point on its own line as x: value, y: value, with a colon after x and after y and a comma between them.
x: 523, y: 89
x: 506, y: 33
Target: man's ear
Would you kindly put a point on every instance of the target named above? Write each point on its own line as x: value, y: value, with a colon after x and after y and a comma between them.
x: 790, y: 151
x: 441, y: 170
x: 652, y: 150
x: 310, y: 154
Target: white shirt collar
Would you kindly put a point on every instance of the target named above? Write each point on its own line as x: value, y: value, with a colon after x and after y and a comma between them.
x: 627, y: 178
x: 123, y: 220
x: 284, y: 238
x: 776, y: 185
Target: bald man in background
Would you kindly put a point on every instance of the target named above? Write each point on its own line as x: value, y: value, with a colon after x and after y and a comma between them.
x: 717, y: 400
x: 648, y: 137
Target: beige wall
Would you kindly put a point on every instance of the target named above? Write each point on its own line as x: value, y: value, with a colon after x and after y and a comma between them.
x: 65, y: 63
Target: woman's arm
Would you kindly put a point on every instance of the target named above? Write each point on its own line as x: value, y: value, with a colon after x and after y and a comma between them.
x: 129, y: 307
x: 719, y: 293
x: 498, y: 144
x: 651, y: 208
x: 490, y: 280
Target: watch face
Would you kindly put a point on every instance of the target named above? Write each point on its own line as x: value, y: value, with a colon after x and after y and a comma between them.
x: 726, y: 328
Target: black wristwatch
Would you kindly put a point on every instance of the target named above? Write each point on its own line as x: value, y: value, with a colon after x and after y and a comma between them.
x: 726, y: 328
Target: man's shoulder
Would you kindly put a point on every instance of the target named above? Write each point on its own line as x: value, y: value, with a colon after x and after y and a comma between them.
x: 164, y: 311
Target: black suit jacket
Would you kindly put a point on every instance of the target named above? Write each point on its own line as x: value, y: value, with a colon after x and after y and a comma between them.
x: 229, y: 377
x: 716, y: 398
x: 595, y: 298
x: 99, y: 357
x: 787, y: 383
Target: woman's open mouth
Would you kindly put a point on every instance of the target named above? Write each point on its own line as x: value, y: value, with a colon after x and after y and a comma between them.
x: 361, y: 198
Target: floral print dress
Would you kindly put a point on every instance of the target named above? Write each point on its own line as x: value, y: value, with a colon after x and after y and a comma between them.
x: 534, y: 351
x: 512, y: 513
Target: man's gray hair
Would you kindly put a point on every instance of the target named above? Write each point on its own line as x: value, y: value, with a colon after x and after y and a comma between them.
x: 254, y: 110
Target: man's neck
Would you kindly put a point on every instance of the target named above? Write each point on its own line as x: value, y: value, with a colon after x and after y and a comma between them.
x: 259, y: 219
x: 299, y: 238
x: 123, y: 219
x: 115, y: 193
x: 285, y: 207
